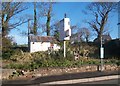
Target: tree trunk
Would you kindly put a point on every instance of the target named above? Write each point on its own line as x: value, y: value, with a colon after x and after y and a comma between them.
x: 99, y: 36
x: 5, y: 29
x: 35, y: 20
x: 48, y: 23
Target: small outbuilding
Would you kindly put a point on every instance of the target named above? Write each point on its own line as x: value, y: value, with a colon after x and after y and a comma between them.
x: 41, y: 43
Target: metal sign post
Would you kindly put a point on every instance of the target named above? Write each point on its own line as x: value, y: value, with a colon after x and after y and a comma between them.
x: 101, y: 55
x: 64, y: 48
x: 65, y: 32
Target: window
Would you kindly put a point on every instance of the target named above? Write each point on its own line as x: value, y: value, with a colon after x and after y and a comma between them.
x: 67, y: 33
x: 68, y: 23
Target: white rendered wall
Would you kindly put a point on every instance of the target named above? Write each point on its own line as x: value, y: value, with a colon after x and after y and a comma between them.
x: 56, y: 47
x: 64, y: 29
x: 38, y: 46
x: 67, y: 28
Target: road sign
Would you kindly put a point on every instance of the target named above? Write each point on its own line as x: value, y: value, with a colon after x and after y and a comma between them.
x: 101, y: 52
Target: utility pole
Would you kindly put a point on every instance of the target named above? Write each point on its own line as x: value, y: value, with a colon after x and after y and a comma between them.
x: 118, y: 30
x: 28, y: 34
x: 118, y: 20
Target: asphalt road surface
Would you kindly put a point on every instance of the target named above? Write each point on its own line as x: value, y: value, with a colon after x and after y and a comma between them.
x: 113, y: 82
x: 37, y: 81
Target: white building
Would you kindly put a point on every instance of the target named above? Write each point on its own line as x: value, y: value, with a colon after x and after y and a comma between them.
x: 44, y: 43
x: 64, y: 29
x: 41, y: 43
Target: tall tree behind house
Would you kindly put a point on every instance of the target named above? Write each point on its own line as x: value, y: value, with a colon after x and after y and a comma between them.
x: 45, y: 12
x: 35, y: 20
x: 101, y: 12
x: 48, y: 19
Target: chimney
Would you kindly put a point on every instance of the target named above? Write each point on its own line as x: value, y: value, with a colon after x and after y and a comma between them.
x: 65, y: 15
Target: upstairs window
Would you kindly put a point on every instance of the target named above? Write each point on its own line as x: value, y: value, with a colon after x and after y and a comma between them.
x: 68, y: 23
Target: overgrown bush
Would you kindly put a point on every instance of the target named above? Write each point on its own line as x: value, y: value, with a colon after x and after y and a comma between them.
x: 21, y: 57
x: 63, y: 62
x: 112, y: 61
x: 52, y: 62
x: 31, y: 61
x: 7, y: 54
x: 40, y: 54
x: 6, y: 43
x: 56, y: 54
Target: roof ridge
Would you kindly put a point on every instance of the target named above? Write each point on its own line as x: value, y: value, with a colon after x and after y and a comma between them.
x: 34, y: 38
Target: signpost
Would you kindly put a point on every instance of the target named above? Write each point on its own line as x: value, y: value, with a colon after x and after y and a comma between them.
x: 67, y: 37
x: 101, y: 52
x: 101, y: 55
x: 64, y: 48
x: 65, y: 31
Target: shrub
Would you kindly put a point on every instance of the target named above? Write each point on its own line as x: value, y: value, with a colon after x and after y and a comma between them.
x: 27, y: 61
x: 11, y: 52
x: 112, y: 61
x: 7, y: 54
x: 21, y: 57
x: 6, y: 44
x: 118, y: 63
x: 39, y: 54
x: 15, y: 66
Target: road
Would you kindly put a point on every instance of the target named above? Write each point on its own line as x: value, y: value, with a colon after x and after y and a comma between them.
x: 113, y: 82
x: 78, y: 78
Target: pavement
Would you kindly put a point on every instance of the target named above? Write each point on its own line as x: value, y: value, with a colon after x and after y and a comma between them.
x: 65, y: 79
x: 75, y: 81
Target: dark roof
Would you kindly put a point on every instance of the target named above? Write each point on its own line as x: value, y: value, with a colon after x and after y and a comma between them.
x: 106, y: 37
x: 33, y: 38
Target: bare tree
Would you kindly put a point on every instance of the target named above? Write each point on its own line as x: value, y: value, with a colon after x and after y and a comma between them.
x: 86, y: 34
x: 101, y: 12
x: 35, y: 20
x: 10, y: 19
x: 48, y: 19
x: 83, y: 33
x: 46, y: 11
x: 9, y: 11
x: 55, y: 30
x: 75, y: 28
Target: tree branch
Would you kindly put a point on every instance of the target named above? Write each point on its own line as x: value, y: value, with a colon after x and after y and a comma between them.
x: 94, y: 27
x: 17, y: 24
x: 96, y: 15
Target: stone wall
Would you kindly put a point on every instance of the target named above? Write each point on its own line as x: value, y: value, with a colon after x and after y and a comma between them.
x: 57, y: 71
x: 85, y: 68
x: 6, y: 73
